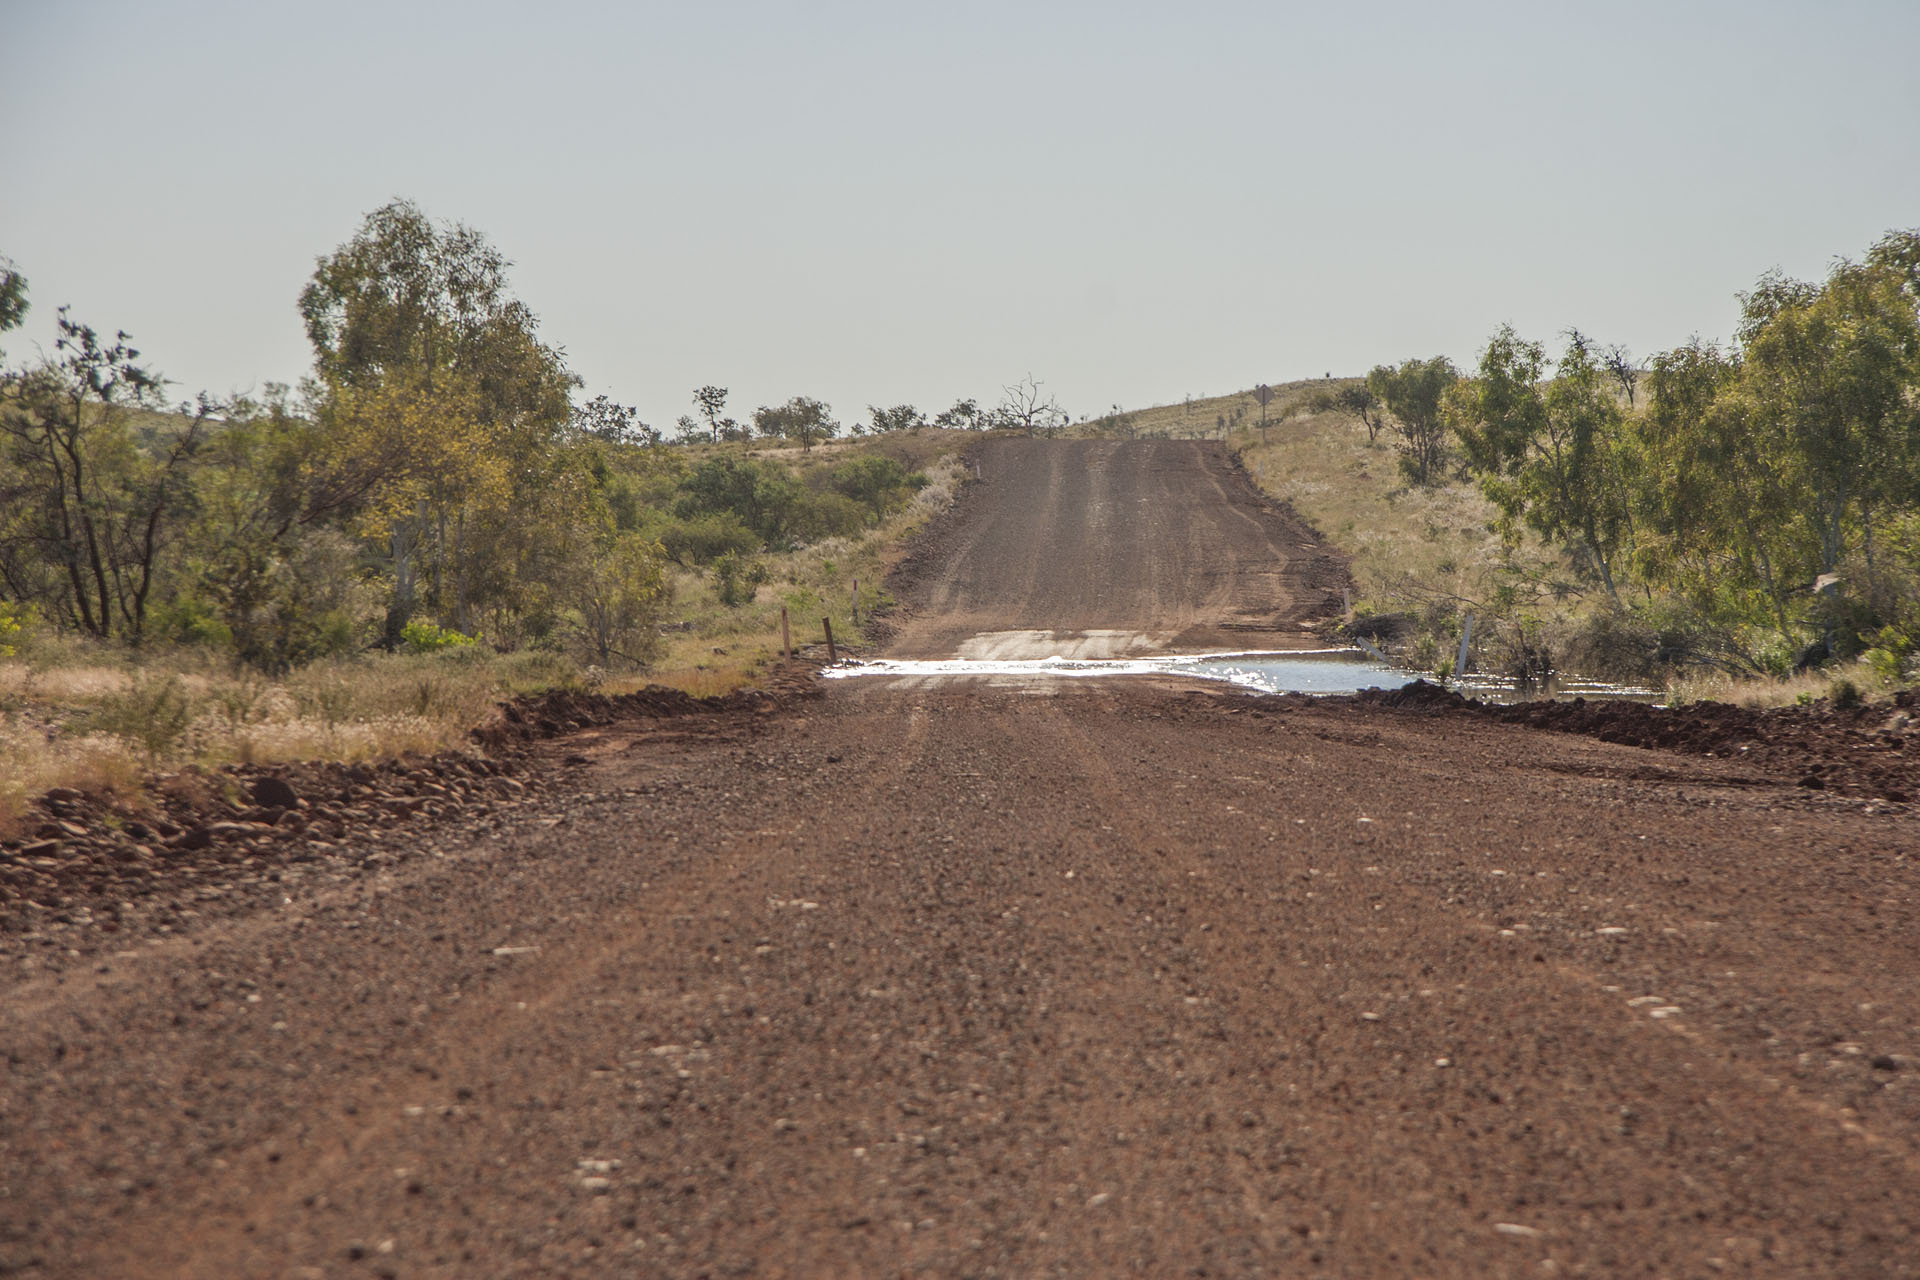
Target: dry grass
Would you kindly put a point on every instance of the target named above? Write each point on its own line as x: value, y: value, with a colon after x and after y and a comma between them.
x: 1786, y: 691
x: 88, y: 717
x: 1428, y: 550
x: 98, y: 727
x: 723, y: 648
x: 1431, y: 551
x: 95, y: 763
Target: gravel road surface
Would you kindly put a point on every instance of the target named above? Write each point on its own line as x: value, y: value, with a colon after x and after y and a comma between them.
x: 1088, y: 979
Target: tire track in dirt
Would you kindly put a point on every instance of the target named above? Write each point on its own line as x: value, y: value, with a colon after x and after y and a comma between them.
x: 1587, y: 1020
x: 1166, y: 537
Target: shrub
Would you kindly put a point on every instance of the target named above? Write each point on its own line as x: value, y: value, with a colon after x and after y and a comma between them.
x: 875, y: 481
x: 421, y: 636
x: 827, y: 515
x: 762, y: 496
x: 153, y: 714
x: 702, y: 539
x: 736, y: 579
x: 1890, y: 651
x: 13, y: 621
x: 189, y: 620
x: 622, y: 597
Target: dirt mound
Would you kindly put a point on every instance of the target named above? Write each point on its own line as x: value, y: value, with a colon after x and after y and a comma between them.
x: 1872, y: 749
x: 561, y: 711
x: 1868, y: 750
x: 1418, y: 696
x: 229, y: 834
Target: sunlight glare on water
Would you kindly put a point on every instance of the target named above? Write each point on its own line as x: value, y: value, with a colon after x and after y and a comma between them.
x: 1304, y: 671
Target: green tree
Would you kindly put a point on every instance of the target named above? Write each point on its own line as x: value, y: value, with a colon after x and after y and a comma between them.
x: 622, y: 593
x: 261, y: 548
x: 802, y: 419
x: 737, y: 579
x: 1830, y: 373
x: 93, y: 482
x: 901, y: 417
x: 876, y: 482
x: 711, y: 401
x: 1412, y: 394
x: 1549, y: 451
x: 965, y: 415
x: 610, y: 423
x: 1717, y: 527
x: 763, y: 496
x: 1358, y: 399
x: 13, y: 296
x: 434, y: 386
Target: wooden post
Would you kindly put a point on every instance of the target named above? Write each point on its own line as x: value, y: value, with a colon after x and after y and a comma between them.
x: 833, y: 655
x: 786, y: 637
x: 856, y: 602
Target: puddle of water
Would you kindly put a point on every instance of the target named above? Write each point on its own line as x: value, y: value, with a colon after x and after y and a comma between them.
x: 1492, y: 688
x: 1310, y: 671
x: 1304, y: 671
x: 1318, y: 671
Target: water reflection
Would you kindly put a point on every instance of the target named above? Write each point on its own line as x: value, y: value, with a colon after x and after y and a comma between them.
x: 1309, y: 671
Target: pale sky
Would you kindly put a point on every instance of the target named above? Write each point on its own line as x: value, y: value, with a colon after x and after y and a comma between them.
x: 878, y: 202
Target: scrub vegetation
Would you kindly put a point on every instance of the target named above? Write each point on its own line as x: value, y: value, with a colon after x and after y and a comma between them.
x: 435, y: 518
x: 1739, y: 520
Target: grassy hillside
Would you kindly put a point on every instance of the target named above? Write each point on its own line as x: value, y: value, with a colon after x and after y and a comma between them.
x: 1426, y: 552
x: 1424, y: 557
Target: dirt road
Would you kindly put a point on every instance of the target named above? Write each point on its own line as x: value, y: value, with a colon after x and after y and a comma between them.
x: 1104, y: 979
x: 1097, y: 548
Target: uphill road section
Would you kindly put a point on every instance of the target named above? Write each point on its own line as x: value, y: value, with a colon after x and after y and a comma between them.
x: 1103, y: 548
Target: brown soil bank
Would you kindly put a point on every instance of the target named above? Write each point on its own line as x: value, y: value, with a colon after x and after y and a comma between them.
x: 1871, y: 749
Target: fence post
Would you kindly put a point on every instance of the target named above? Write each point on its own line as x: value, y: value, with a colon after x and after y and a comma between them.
x: 786, y: 637
x: 833, y: 655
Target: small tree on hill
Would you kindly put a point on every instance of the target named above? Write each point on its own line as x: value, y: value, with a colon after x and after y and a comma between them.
x: 1412, y: 394
x: 1026, y: 407
x: 802, y: 419
x: 965, y: 415
x: 901, y: 417
x: 711, y: 401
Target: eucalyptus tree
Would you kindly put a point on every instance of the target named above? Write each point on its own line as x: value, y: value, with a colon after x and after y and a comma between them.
x: 95, y: 481
x: 900, y: 417
x: 432, y: 381
x: 1549, y: 448
x: 1412, y: 394
x: 802, y: 419
x: 13, y: 295
x: 1716, y: 503
x: 1831, y: 372
x: 711, y: 401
